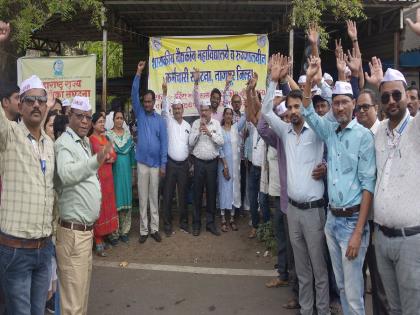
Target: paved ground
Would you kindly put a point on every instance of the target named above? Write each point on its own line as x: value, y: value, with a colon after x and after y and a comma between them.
x: 146, y: 286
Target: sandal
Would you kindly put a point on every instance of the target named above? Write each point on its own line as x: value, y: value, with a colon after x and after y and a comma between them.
x: 233, y: 225
x: 224, y: 227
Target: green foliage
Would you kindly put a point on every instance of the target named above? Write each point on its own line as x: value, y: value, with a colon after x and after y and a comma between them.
x: 25, y: 16
x: 265, y: 234
x: 114, y: 60
x: 313, y: 11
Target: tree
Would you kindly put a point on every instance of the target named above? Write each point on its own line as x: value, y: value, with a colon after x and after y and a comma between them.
x: 306, y: 12
x: 25, y: 16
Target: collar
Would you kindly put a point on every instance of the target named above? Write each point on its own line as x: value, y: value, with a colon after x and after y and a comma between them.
x: 375, y: 126
x: 73, y: 134
x: 401, y: 126
x: 304, y: 127
x: 350, y: 125
x: 28, y: 133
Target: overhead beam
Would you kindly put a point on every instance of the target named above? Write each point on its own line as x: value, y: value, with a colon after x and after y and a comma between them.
x: 187, y: 2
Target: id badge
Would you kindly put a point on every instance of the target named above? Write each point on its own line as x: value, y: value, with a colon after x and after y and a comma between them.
x: 43, y: 165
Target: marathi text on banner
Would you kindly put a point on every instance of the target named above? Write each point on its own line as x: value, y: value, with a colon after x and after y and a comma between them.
x: 66, y: 77
x: 175, y: 58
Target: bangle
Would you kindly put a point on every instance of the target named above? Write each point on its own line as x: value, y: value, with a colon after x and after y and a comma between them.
x: 307, y: 97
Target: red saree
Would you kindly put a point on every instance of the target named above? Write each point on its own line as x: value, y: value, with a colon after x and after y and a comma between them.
x: 107, y: 222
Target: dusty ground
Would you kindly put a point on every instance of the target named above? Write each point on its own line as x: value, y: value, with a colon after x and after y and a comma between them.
x: 230, y: 250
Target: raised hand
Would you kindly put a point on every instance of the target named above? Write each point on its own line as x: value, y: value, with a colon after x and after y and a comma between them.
x: 279, y: 67
x: 313, y: 34
x: 351, y: 29
x: 196, y: 75
x: 252, y: 83
x: 50, y: 101
x: 341, y: 65
x: 4, y: 31
x: 338, y: 47
x: 354, y: 62
x: 376, y: 72
x: 415, y: 26
x: 314, y: 64
x: 140, y: 67
x: 164, y: 87
x: 229, y: 79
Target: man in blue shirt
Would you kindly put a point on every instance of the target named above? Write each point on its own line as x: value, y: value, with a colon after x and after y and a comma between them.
x: 351, y: 183
x: 151, y: 155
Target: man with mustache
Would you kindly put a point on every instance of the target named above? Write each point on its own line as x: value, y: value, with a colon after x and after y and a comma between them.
x: 79, y: 200
x: 305, y: 215
x: 396, y: 204
x: 27, y: 171
x: 351, y: 182
x: 413, y: 96
x: 367, y: 115
x: 177, y: 167
x: 205, y: 139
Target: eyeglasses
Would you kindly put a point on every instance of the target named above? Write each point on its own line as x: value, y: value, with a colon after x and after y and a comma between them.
x: 363, y: 107
x: 30, y: 100
x: 396, y: 95
x: 82, y: 116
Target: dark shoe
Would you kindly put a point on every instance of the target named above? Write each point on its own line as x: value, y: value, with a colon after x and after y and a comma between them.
x: 50, y: 305
x: 156, y: 237
x: 168, y: 232
x: 113, y: 241
x: 196, y: 232
x: 143, y: 238
x: 292, y: 304
x: 124, y: 238
x: 185, y: 229
x: 213, y: 230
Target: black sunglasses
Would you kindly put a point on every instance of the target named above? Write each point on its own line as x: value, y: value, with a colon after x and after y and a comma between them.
x: 396, y: 95
x: 363, y: 107
x: 30, y: 100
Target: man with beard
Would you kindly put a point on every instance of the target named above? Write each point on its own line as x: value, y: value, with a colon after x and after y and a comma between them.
x: 79, y: 200
x: 396, y: 204
x: 367, y: 115
x: 205, y: 139
x: 413, y: 96
x: 27, y: 171
x: 215, y: 96
x: 306, y: 216
x: 177, y: 166
x: 351, y: 182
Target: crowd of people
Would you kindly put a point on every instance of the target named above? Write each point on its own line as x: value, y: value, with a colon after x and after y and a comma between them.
x: 338, y: 159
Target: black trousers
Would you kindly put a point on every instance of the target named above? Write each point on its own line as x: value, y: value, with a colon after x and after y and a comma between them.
x: 176, y: 177
x: 205, y: 175
x: 379, y: 301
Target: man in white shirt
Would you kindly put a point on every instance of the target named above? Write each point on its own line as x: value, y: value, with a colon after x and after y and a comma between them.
x: 177, y: 166
x: 367, y: 115
x: 396, y: 203
x: 205, y: 139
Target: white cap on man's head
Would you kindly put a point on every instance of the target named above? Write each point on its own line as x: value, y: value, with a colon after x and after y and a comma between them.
x: 81, y: 103
x: 281, y: 108
x: 278, y: 93
x: 177, y: 101
x: 393, y: 75
x: 66, y: 102
x: 302, y: 79
x: 205, y: 103
x: 34, y: 82
x: 328, y: 76
x: 342, y: 88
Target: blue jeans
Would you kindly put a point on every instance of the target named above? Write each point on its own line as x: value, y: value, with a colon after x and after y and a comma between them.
x: 25, y: 278
x: 253, y: 193
x: 264, y: 206
x: 348, y: 273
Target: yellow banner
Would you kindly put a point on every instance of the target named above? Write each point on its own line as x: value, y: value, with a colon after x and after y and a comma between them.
x: 65, y: 76
x: 174, y: 59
